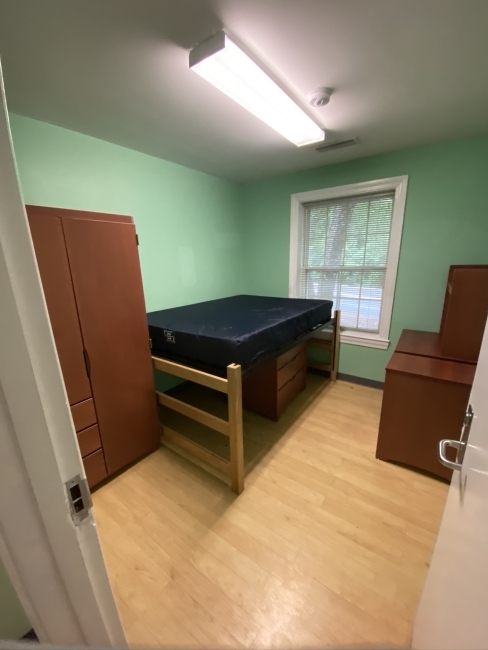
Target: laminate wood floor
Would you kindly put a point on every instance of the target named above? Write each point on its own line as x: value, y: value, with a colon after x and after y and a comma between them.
x: 327, y: 546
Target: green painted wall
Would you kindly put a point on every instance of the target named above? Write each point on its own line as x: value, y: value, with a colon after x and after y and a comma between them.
x: 13, y: 621
x: 188, y: 222
x: 446, y: 222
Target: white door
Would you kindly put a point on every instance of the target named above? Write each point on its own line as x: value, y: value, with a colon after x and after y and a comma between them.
x: 54, y: 562
x: 453, y: 609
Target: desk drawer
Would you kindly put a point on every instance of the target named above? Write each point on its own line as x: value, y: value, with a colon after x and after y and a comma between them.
x: 89, y: 440
x: 288, y: 356
x: 290, y: 369
x: 290, y: 389
x: 84, y: 414
x: 95, y: 468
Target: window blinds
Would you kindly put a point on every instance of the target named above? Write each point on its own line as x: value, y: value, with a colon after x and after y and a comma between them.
x: 344, y: 256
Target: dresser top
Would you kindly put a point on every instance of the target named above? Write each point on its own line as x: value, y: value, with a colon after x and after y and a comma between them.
x: 439, y: 369
x: 425, y: 344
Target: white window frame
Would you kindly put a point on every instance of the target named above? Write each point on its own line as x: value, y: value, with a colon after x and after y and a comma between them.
x: 398, y: 184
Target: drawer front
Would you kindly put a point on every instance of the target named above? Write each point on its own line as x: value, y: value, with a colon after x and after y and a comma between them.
x: 89, y: 440
x: 290, y: 369
x: 290, y: 389
x: 84, y: 414
x: 291, y: 354
x: 95, y: 468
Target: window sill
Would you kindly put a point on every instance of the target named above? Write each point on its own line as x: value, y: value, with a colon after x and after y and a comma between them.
x: 365, y: 339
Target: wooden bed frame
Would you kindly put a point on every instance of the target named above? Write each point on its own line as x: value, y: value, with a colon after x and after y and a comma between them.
x: 233, y: 426
x: 332, y: 347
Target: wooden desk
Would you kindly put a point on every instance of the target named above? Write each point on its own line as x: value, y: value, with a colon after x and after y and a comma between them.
x: 424, y: 401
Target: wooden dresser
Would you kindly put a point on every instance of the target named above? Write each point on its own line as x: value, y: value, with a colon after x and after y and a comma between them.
x: 89, y: 267
x: 429, y: 377
x: 424, y: 400
x: 269, y: 390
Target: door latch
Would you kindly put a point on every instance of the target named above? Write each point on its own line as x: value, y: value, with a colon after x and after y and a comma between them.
x: 79, y: 498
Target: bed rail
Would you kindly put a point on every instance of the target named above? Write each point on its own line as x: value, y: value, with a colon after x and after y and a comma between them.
x: 232, y: 427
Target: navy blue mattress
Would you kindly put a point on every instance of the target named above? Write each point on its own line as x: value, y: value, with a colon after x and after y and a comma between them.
x: 240, y: 329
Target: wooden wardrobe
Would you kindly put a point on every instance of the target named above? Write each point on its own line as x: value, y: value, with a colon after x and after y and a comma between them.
x: 89, y: 267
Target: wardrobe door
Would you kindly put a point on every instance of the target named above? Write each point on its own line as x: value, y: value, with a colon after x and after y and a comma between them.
x: 107, y: 280
x: 52, y: 260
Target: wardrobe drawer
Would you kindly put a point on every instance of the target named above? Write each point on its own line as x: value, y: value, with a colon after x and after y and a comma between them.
x: 95, y: 468
x: 288, y: 356
x: 89, y: 440
x: 290, y: 389
x: 290, y: 369
x: 84, y: 414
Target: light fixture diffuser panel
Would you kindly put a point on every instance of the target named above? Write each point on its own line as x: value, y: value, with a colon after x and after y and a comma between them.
x: 223, y: 64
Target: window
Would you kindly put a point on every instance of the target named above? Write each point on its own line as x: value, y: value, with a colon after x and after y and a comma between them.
x: 345, y: 243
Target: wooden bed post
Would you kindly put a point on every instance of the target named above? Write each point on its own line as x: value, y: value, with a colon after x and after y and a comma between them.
x: 236, y: 441
x: 336, y: 338
x: 332, y: 347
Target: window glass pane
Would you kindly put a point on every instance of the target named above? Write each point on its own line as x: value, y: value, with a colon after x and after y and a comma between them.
x: 369, y: 315
x: 336, y: 235
x: 317, y: 237
x: 345, y: 253
x: 349, y: 313
x: 320, y: 284
x: 372, y: 284
x: 357, y: 233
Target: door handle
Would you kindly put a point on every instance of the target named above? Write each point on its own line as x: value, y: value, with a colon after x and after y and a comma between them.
x: 460, y: 445
x: 87, y: 362
x: 443, y: 445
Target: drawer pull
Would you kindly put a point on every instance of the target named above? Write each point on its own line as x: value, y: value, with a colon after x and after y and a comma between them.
x: 289, y: 356
x: 291, y: 360
x: 289, y: 370
x: 290, y: 380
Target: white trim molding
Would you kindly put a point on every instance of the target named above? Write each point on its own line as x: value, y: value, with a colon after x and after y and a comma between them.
x: 398, y: 184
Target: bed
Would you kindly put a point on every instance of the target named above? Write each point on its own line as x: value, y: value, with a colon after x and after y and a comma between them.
x: 219, y: 343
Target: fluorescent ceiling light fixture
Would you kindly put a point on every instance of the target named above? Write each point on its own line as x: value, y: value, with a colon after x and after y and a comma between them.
x: 222, y: 63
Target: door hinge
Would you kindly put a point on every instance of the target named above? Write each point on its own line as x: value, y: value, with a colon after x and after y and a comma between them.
x: 79, y: 498
x: 137, y: 239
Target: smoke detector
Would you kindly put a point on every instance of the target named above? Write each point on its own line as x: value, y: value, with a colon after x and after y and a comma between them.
x: 319, y: 97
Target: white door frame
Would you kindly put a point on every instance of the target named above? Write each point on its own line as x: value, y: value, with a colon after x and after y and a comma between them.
x: 56, y: 568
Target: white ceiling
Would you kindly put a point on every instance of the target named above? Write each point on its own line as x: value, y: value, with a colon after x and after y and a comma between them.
x: 404, y: 72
